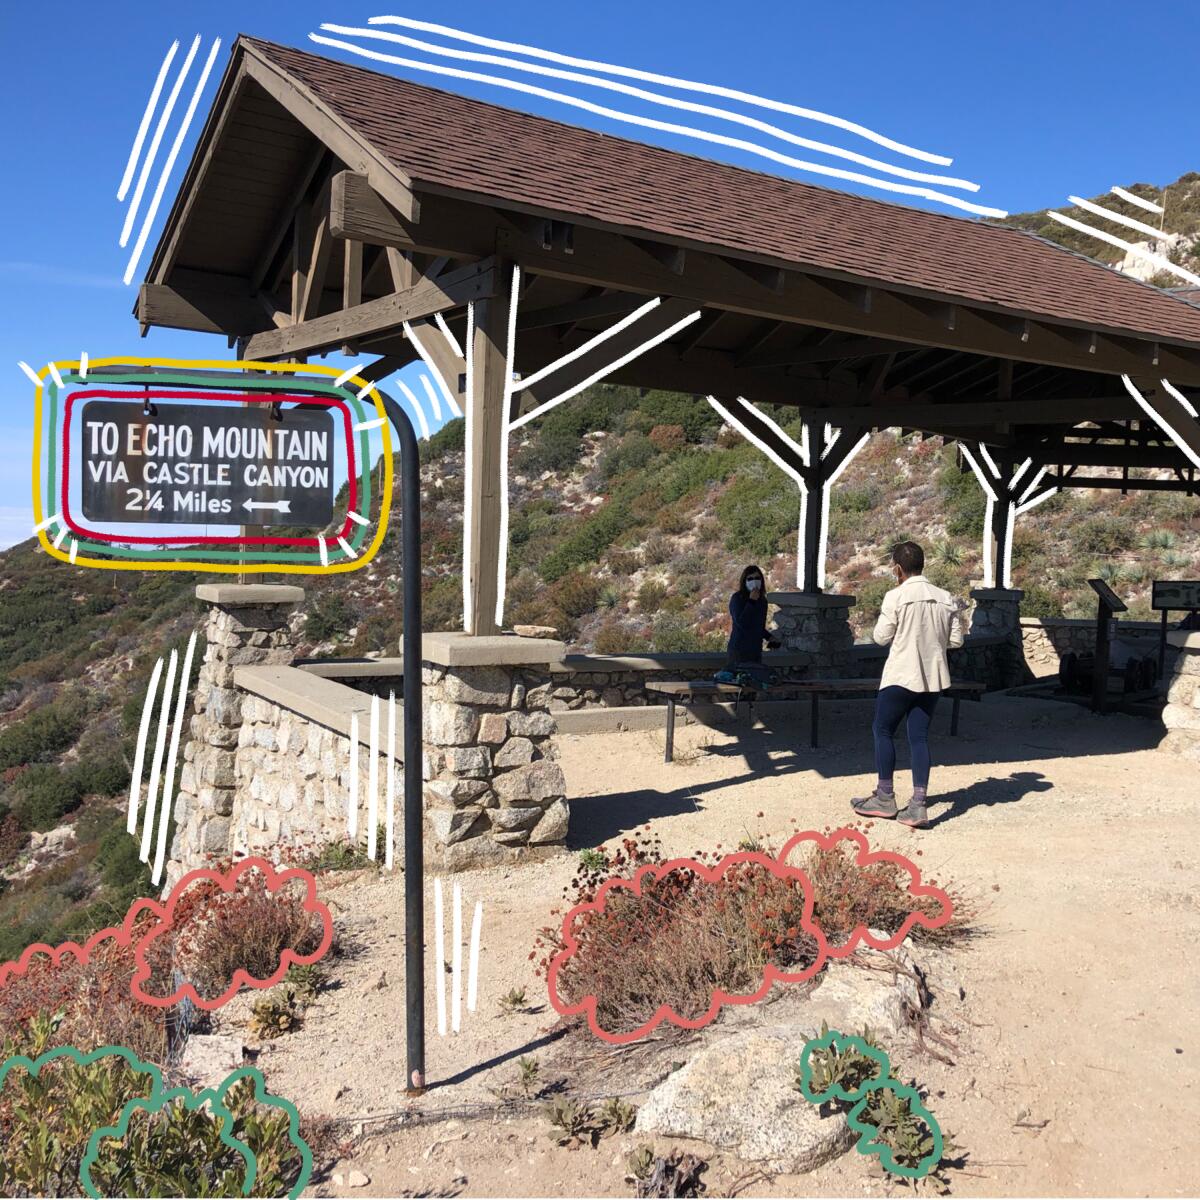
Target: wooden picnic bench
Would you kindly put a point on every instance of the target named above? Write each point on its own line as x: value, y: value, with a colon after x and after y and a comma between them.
x: 690, y: 692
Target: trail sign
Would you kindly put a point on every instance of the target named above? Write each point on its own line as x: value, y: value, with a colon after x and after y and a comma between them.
x: 196, y: 464
x: 1175, y: 593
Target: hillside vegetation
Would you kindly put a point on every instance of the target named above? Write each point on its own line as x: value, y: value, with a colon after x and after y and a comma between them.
x: 632, y: 515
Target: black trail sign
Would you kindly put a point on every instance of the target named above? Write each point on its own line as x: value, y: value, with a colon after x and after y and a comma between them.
x: 191, y: 464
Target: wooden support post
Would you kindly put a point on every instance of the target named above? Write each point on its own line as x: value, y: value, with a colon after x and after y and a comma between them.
x: 812, y: 509
x: 486, y: 428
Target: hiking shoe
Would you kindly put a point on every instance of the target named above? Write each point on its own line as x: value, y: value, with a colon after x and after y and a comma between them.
x: 915, y: 816
x: 877, y: 804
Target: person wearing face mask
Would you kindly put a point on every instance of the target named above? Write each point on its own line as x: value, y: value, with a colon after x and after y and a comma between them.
x: 919, y: 622
x: 748, y: 610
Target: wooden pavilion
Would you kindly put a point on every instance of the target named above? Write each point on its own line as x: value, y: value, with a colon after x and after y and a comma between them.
x: 329, y: 207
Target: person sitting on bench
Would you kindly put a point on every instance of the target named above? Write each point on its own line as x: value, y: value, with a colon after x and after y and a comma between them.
x: 748, y: 610
x: 919, y: 622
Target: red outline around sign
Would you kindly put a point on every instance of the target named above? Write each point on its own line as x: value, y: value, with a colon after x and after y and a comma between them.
x: 195, y: 539
x: 778, y: 866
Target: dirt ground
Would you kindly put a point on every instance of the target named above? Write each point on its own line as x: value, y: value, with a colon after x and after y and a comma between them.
x: 1074, y: 1015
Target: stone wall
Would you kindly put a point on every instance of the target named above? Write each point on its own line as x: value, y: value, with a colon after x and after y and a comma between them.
x: 493, y: 782
x: 1047, y: 640
x: 237, y: 633
x: 1181, y: 715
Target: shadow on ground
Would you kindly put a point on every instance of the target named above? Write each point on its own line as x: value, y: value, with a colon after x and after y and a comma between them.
x: 994, y: 732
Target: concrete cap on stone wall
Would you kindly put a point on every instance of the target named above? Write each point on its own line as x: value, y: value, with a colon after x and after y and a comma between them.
x: 1185, y: 639
x: 1014, y: 594
x: 248, y: 595
x: 810, y: 600
x: 458, y: 649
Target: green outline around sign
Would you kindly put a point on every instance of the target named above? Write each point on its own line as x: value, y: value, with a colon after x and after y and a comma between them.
x: 307, y: 558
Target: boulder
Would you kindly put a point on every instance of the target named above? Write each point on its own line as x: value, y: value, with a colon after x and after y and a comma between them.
x: 542, y: 780
x: 552, y: 827
x: 531, y: 724
x: 516, y: 752
x: 478, y: 685
x: 739, y: 1095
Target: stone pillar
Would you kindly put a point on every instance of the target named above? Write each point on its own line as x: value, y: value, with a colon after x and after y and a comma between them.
x: 493, y: 786
x: 248, y: 624
x: 998, y: 614
x: 1181, y: 715
x: 816, y: 625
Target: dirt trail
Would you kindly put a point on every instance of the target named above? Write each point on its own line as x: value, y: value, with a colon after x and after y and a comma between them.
x: 1076, y: 1013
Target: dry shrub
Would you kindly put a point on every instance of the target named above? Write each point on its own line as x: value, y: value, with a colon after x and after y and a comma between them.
x: 874, y: 896
x: 94, y: 999
x: 685, y: 936
x: 682, y: 938
x: 668, y: 437
x: 215, y: 933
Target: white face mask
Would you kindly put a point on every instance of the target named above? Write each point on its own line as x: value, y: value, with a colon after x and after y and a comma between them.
x: 754, y: 585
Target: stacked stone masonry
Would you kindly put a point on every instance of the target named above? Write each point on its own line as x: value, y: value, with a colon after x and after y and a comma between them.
x: 1181, y: 715
x: 493, y: 784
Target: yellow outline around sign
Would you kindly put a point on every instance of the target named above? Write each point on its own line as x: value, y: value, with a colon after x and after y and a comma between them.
x: 337, y: 568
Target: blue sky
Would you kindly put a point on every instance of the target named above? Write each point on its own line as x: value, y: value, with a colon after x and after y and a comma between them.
x: 1032, y: 100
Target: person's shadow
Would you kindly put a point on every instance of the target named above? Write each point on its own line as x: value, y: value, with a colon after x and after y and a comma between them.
x: 986, y: 792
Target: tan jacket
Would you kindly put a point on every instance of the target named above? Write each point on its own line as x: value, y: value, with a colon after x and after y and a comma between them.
x: 919, y: 622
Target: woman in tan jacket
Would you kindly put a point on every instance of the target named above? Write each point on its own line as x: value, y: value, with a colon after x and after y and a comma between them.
x: 919, y: 622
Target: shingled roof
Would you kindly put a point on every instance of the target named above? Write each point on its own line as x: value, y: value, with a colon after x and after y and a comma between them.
x: 443, y: 140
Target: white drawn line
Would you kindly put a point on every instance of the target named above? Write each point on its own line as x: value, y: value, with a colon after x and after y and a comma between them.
x: 608, y: 370
x: 160, y: 743
x: 345, y: 545
x: 58, y: 541
x: 826, y: 495
x: 54, y: 374
x: 139, y: 757
x: 456, y: 962
x: 1031, y: 487
x: 33, y: 375
x: 984, y: 482
x: 802, y: 449
x: 669, y: 81
x: 367, y: 389
x: 411, y: 334
x: 1148, y: 205
x: 986, y: 455
x: 448, y: 334
x: 510, y: 349
x: 1028, y: 504
x: 1108, y: 214
x: 377, y: 423
x: 180, y: 134
x: 431, y: 392
x: 168, y: 791
x: 989, y: 572
x: 1161, y: 421
x: 373, y: 782
x: 348, y: 374
x: 410, y: 396
x: 666, y: 127
x: 46, y: 523
x: 473, y: 960
x: 1163, y: 264
x: 468, y: 585
x: 74, y: 551
x: 352, y: 811
x: 755, y: 440
x: 151, y: 104
x: 801, y: 569
x: 358, y: 518
x: 390, y: 816
x: 439, y: 954
x: 323, y: 549
x: 1009, y: 522
x: 83, y: 364
x: 1016, y: 475
x: 598, y: 340
x: 691, y: 106
x: 1189, y: 407
x: 148, y: 162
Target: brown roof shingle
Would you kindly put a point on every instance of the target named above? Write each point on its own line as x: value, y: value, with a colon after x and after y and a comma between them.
x: 442, y: 138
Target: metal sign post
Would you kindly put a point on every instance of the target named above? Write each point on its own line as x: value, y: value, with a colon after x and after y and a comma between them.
x: 1109, y: 604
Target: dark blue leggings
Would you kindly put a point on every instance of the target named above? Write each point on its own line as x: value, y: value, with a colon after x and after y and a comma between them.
x: 892, y: 705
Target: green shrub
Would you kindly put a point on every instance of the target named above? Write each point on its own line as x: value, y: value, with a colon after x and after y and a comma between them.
x: 674, y: 633
x: 760, y: 508
x: 452, y: 436
x: 589, y: 540
x: 1104, y: 534
x: 1039, y: 601
x: 651, y: 595
x: 107, y: 776
x: 613, y: 639
x: 631, y: 454
x: 42, y: 734
x: 42, y: 794
x: 578, y: 594
x: 870, y: 599
x: 328, y: 616
x: 695, y: 471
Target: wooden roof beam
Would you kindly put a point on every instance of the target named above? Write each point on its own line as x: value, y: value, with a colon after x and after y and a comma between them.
x: 428, y: 296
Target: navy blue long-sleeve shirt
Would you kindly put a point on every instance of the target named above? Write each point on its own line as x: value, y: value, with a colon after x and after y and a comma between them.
x: 749, y: 620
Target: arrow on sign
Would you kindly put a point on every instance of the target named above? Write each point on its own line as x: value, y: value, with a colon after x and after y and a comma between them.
x: 273, y: 505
